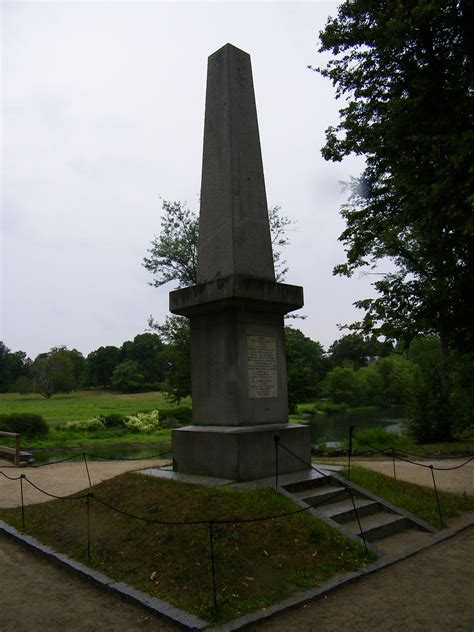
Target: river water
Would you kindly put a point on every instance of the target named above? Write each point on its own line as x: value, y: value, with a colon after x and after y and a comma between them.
x: 333, y: 429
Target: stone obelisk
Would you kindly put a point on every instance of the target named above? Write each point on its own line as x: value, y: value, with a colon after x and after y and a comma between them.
x: 239, y: 380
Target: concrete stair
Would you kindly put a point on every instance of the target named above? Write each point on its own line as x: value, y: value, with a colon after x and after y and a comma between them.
x: 348, y: 507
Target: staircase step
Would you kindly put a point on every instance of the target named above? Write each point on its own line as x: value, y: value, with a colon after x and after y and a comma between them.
x: 310, y: 483
x: 379, y: 525
x: 322, y: 494
x: 343, y: 510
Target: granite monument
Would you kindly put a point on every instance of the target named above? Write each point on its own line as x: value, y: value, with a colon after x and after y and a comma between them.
x: 236, y: 310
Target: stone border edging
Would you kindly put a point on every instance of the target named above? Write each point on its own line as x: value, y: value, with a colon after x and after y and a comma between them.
x: 192, y: 622
x: 123, y: 591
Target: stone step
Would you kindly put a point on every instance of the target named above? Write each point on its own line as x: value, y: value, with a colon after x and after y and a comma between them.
x: 310, y: 483
x: 343, y: 510
x: 379, y: 525
x: 323, y: 494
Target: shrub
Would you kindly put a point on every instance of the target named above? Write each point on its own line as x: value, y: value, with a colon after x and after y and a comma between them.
x: 181, y: 414
x: 114, y: 420
x: 28, y: 424
x: 143, y: 422
x: 378, y: 437
x: 86, y: 425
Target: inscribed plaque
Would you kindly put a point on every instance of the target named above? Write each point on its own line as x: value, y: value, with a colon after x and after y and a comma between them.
x: 262, y: 367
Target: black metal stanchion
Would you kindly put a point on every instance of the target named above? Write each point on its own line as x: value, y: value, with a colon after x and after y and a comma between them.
x: 361, y: 533
x: 213, y: 566
x: 276, y: 439
x: 89, y: 495
x: 22, y: 502
x: 437, y: 497
x: 393, y: 462
x: 351, y: 431
x: 87, y: 468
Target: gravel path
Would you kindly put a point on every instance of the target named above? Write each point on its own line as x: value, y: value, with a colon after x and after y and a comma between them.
x: 431, y: 591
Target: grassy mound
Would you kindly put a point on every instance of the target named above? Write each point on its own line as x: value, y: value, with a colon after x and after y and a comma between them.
x: 417, y: 499
x: 256, y: 563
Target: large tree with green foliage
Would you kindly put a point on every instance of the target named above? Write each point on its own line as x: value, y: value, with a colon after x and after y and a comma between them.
x: 173, y: 253
x: 55, y: 371
x: 405, y: 72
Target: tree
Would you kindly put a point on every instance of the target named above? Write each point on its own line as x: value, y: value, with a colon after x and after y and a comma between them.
x: 341, y: 386
x: 355, y: 350
x: 148, y: 351
x: 127, y: 377
x: 405, y: 70
x: 100, y: 365
x: 14, y: 365
x: 173, y: 253
x: 53, y: 372
x: 306, y: 366
x: 175, y: 332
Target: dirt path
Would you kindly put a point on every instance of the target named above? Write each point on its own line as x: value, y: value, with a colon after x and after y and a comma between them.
x: 63, y: 479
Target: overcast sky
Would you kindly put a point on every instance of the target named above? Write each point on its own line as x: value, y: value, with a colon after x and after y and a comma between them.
x: 102, y: 113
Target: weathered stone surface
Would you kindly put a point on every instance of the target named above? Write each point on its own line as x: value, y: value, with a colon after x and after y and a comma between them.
x: 237, y: 292
x: 239, y: 453
x: 234, y: 235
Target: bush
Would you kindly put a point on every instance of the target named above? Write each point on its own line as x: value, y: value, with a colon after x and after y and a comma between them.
x: 86, y: 425
x: 114, y: 420
x: 180, y: 415
x: 143, y: 422
x: 377, y: 437
x: 28, y: 424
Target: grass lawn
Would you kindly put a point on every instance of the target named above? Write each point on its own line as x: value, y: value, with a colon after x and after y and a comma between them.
x: 256, y: 564
x: 81, y: 405
x: 417, y: 499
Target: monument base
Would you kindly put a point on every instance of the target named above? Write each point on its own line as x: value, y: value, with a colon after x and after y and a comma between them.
x: 240, y: 453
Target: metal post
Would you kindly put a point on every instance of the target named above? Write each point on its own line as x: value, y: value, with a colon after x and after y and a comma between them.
x: 18, y: 451
x: 276, y: 439
x: 361, y: 533
x: 87, y: 468
x: 22, y: 502
x: 437, y: 497
x: 393, y: 461
x: 88, y: 528
x: 213, y: 567
x: 351, y: 430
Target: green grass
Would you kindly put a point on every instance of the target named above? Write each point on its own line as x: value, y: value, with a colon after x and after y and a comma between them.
x: 257, y: 563
x: 81, y: 405
x: 416, y: 499
x: 67, y: 439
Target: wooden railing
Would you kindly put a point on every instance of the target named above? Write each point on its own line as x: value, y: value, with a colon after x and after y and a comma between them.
x: 16, y: 450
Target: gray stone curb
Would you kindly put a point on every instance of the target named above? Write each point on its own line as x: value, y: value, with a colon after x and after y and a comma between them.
x: 123, y: 591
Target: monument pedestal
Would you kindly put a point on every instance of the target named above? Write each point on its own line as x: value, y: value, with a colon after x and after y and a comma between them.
x: 240, y: 453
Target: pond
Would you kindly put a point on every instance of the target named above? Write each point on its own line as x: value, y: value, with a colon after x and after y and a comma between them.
x: 334, y: 429
x: 130, y: 451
